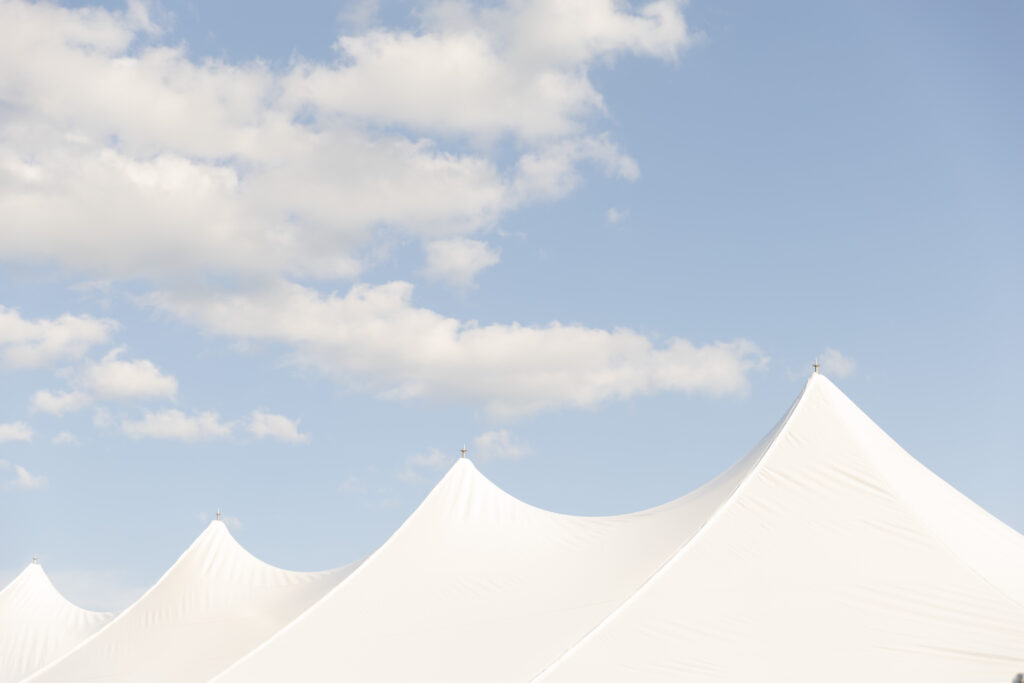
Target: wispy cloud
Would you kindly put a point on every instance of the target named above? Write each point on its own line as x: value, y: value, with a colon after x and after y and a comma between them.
x: 174, y: 424
x: 35, y: 342
x: 457, y: 261
x: 614, y: 215
x: 65, y: 439
x: 23, y: 479
x: 498, y: 444
x: 279, y: 427
x: 26, y: 480
x: 59, y: 402
x: 15, y: 431
x: 433, y: 460
x: 836, y: 364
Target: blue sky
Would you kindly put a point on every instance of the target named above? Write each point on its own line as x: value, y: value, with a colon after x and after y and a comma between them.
x: 287, y: 262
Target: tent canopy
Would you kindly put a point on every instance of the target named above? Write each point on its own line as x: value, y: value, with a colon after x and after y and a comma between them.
x: 38, y: 625
x: 826, y: 553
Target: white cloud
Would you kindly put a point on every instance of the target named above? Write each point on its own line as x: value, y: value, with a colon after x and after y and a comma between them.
x: 242, y: 169
x: 615, y: 215
x: 65, y: 439
x: 458, y: 260
x: 176, y: 425
x: 510, y: 68
x: 26, y: 480
x: 31, y: 343
x: 836, y: 364
x: 112, y: 378
x: 263, y: 424
x: 433, y: 460
x: 375, y: 339
x: 59, y: 402
x: 498, y: 444
x: 15, y: 431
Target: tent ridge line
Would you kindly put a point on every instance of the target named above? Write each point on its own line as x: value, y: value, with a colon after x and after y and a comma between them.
x: 678, y: 552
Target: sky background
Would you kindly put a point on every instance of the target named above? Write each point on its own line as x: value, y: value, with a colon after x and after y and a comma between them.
x: 286, y: 262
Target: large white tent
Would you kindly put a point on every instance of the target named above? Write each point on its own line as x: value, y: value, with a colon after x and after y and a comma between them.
x: 827, y: 553
x: 38, y: 625
x: 210, y: 608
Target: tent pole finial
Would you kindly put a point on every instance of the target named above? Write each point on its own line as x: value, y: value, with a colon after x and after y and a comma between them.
x: 816, y: 366
x: 35, y: 558
x: 218, y: 513
x: 463, y: 450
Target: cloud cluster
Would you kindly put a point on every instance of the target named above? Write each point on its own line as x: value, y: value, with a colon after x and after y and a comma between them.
x: 257, y: 177
x: 238, y: 168
x: 114, y: 378
x: 110, y: 378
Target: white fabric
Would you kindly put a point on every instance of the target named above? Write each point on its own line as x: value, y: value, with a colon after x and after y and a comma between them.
x: 826, y: 554
x: 38, y: 625
x: 840, y: 558
x: 210, y: 608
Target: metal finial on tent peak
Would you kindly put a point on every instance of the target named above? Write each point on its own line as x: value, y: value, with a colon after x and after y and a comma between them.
x: 218, y: 513
x: 463, y: 450
x: 816, y: 366
x: 35, y: 558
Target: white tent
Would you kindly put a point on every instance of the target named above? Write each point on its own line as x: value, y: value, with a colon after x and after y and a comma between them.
x: 211, y: 607
x: 827, y: 553
x: 38, y: 625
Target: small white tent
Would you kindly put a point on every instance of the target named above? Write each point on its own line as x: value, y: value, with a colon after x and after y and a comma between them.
x: 210, y: 608
x: 827, y: 553
x: 38, y: 625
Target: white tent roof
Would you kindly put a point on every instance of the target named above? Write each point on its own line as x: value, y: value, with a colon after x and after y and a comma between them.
x: 211, y: 607
x: 38, y: 625
x: 826, y: 553
x: 839, y: 558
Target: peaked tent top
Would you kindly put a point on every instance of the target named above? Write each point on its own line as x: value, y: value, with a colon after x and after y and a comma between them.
x: 38, y: 624
x: 212, y: 606
x: 839, y: 557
